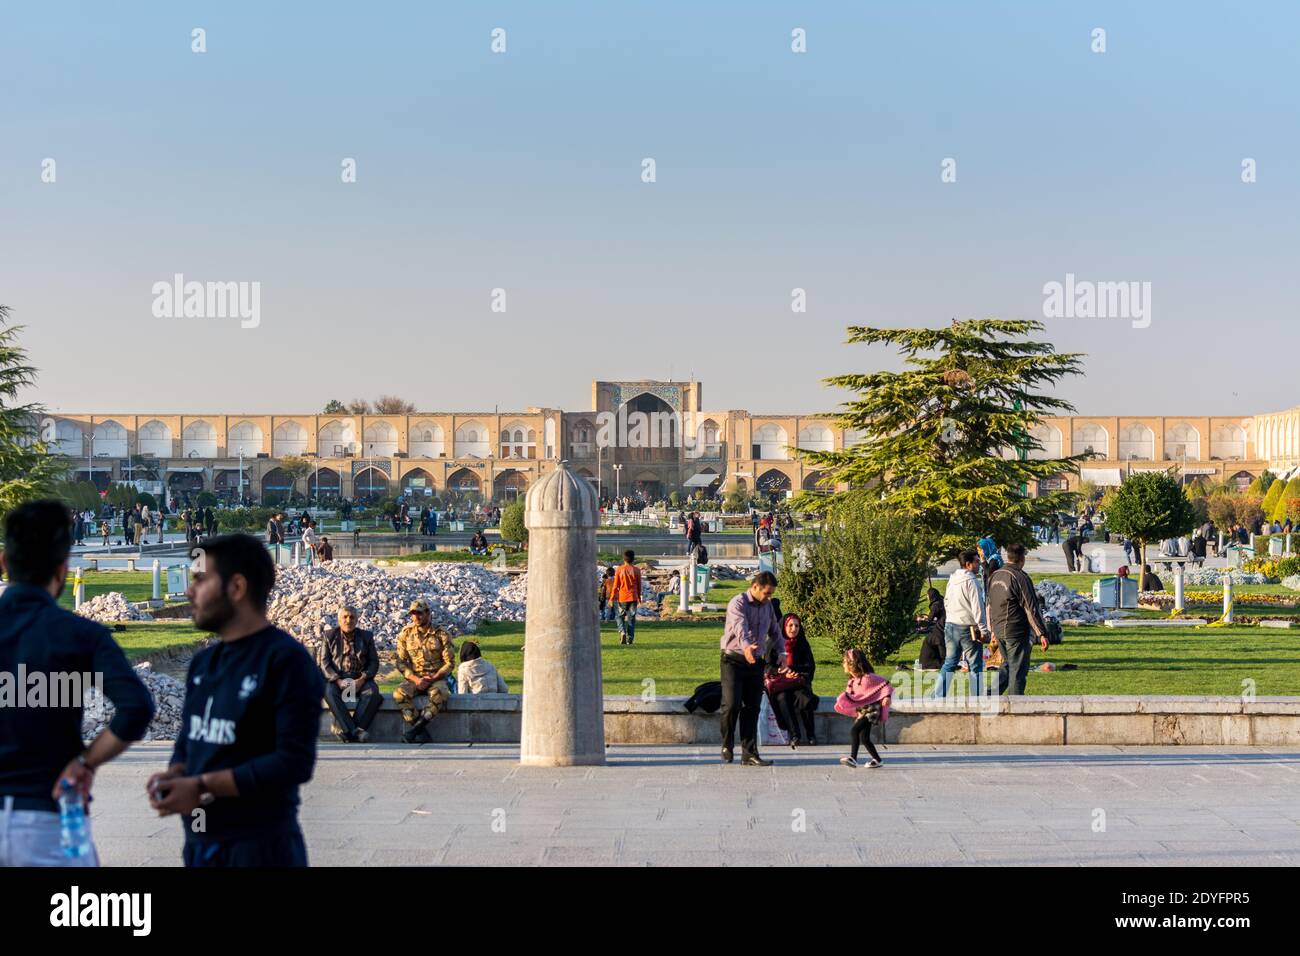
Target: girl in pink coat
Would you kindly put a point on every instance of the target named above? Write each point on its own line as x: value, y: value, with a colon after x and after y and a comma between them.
x: 866, y: 699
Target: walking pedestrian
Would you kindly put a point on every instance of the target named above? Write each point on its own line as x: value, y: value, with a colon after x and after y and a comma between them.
x: 249, y: 722
x: 965, y: 624
x: 1014, y: 616
x: 627, y: 595
x: 750, y: 637
x: 866, y: 699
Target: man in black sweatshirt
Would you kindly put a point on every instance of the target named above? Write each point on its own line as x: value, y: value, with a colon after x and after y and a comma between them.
x: 1015, y: 618
x: 250, y: 721
x: 42, y: 645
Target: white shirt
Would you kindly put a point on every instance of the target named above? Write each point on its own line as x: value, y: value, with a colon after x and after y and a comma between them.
x: 963, y: 601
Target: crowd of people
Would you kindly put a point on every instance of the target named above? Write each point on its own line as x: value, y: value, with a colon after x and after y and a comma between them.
x: 990, y: 615
x: 251, y: 711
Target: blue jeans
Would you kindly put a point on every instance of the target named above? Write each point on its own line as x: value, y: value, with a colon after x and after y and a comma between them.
x: 627, y: 620
x: 957, y: 641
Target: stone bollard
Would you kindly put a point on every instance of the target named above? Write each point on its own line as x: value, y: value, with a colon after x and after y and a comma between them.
x: 1178, y: 587
x: 157, y: 580
x: 1227, y: 598
x: 684, y: 603
x: 78, y: 590
x: 563, y: 698
x: 296, y: 557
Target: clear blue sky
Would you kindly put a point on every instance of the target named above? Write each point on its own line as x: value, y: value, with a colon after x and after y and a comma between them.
x: 522, y: 171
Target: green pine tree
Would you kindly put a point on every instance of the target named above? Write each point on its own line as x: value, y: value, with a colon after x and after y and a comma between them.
x: 1271, y: 497
x: 27, y: 470
x: 947, y: 440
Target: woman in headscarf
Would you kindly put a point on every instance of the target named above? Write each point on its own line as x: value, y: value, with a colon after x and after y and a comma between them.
x: 933, y: 650
x: 789, y: 688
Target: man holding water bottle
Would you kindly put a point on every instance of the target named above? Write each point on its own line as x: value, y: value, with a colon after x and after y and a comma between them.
x: 46, y: 656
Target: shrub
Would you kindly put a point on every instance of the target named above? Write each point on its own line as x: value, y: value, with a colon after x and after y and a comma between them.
x: 1248, y: 509
x: 206, y: 499
x: 512, y: 524
x: 244, y: 519
x: 1273, y: 500
x: 859, y: 581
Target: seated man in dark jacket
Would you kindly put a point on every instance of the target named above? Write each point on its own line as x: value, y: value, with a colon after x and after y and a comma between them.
x: 349, y: 662
x: 1014, y: 619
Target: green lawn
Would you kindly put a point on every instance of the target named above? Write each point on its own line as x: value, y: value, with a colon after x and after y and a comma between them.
x: 142, y: 640
x: 134, y: 585
x: 678, y: 655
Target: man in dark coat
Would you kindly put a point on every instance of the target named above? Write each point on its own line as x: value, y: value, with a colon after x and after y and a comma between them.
x: 1014, y: 619
x: 349, y: 663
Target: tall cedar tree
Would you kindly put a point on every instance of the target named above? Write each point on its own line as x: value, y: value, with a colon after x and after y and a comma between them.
x: 947, y: 440
x: 27, y: 470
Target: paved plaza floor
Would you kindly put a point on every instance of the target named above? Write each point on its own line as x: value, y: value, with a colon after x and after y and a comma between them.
x: 677, y: 805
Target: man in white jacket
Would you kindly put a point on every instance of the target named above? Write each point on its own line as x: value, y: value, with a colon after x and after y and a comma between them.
x: 964, y: 605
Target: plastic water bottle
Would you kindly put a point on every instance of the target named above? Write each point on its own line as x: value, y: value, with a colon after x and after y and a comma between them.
x: 73, y: 835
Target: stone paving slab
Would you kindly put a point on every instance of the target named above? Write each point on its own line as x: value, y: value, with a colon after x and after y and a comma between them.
x: 390, y: 805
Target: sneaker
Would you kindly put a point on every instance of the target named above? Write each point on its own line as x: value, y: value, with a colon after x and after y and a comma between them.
x: 848, y: 762
x: 343, y: 737
x: 874, y: 763
x: 754, y: 760
x: 362, y: 735
x: 812, y: 741
x: 794, y: 743
x: 727, y: 756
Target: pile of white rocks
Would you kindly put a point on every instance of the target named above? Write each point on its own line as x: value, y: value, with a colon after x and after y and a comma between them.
x: 729, y: 572
x: 1213, y: 577
x: 306, y: 600
x: 112, y: 607
x: 1068, y: 606
x: 168, y: 696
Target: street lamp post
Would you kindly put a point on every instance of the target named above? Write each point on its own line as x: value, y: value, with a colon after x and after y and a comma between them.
x: 617, y: 470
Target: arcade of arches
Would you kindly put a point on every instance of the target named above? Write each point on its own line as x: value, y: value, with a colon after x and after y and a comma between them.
x: 682, y: 445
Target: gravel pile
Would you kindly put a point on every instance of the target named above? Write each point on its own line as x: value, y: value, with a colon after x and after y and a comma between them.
x: 1214, y: 577
x: 1068, y: 605
x: 112, y: 607
x: 306, y: 600
x: 168, y: 696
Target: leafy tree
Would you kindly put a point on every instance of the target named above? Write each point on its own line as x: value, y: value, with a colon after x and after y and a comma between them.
x: 334, y: 407
x: 206, y: 499
x: 1247, y: 509
x: 392, y: 405
x: 948, y: 439
x: 27, y: 470
x: 858, y: 581
x: 1259, y: 487
x: 512, y: 524
x: 1283, y: 506
x: 1222, y: 510
x: 295, y: 468
x: 1150, y: 505
x: 735, y: 501
x: 1272, y: 496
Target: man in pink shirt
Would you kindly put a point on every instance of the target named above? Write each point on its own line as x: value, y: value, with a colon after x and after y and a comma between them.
x: 751, y: 634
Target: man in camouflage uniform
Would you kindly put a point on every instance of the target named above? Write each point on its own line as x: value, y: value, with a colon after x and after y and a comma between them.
x: 426, y: 657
